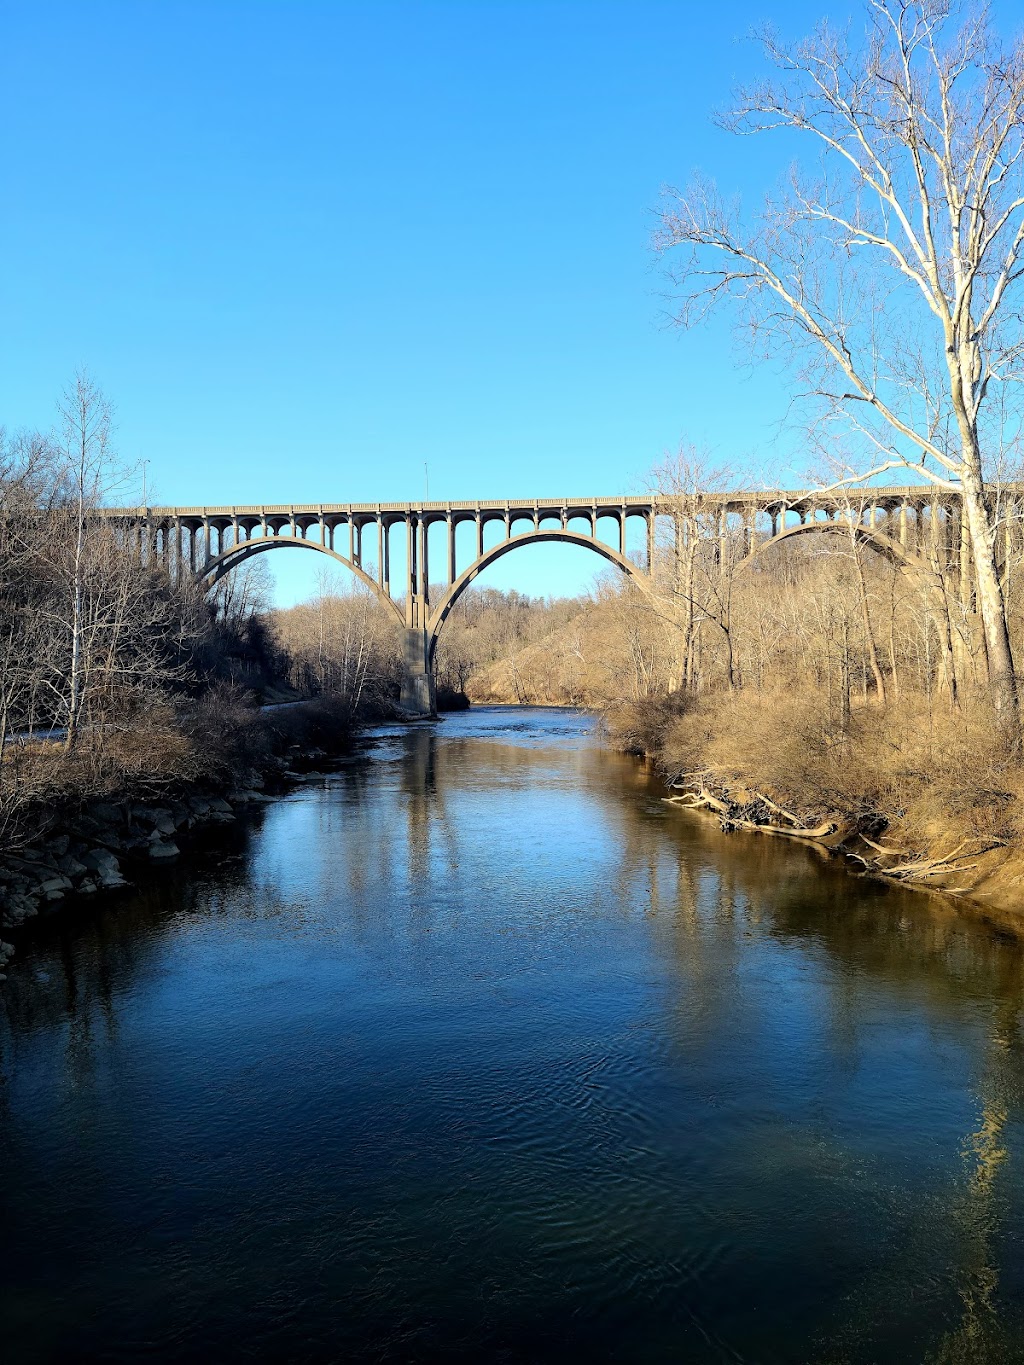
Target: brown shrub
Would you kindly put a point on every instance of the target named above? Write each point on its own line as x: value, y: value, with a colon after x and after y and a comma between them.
x: 926, y: 771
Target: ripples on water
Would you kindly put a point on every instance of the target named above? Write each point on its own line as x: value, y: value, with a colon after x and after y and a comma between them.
x: 478, y: 1051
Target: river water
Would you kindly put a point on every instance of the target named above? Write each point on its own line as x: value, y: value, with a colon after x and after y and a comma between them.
x: 478, y: 1051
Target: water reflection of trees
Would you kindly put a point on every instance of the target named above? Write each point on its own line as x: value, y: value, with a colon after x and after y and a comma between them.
x: 925, y: 952
x: 394, y: 832
x: 74, y: 967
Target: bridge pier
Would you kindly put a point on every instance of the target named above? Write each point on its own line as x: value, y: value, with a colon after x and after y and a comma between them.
x: 418, y: 697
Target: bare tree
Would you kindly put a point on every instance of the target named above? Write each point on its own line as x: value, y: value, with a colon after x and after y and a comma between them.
x: 892, y: 274
x: 84, y: 439
x: 694, y: 575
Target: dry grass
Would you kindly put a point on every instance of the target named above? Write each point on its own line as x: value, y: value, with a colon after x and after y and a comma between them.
x: 924, y: 772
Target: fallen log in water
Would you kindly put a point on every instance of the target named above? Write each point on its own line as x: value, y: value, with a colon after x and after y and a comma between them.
x: 733, y: 819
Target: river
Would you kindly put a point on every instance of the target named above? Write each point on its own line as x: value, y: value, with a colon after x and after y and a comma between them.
x: 476, y: 1050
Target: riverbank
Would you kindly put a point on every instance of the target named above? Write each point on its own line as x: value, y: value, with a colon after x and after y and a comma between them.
x: 75, y: 841
x: 918, y: 794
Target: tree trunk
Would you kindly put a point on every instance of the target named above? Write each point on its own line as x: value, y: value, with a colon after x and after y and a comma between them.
x: 1001, y: 678
x: 869, y: 634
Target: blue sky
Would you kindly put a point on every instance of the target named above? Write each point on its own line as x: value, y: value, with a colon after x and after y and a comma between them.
x: 308, y: 248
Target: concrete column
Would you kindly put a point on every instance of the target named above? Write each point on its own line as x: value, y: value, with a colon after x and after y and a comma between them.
x: 418, y: 697
x: 386, y: 560
x: 410, y: 552
x: 479, y: 536
x: 903, y: 524
x: 935, y: 531
x: 622, y: 532
x: 650, y: 540
x: 749, y: 530
x: 351, y: 540
x: 424, y: 561
x: 380, y: 550
x: 451, y: 548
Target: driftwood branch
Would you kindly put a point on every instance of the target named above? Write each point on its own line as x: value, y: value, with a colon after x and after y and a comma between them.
x: 732, y: 819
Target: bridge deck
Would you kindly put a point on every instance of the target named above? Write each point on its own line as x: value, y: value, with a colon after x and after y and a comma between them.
x: 761, y: 497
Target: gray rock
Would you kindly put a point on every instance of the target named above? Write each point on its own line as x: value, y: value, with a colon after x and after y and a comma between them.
x: 54, y: 884
x: 71, y: 867
x: 105, y: 866
x: 58, y: 845
x: 164, y: 850
x: 112, y: 840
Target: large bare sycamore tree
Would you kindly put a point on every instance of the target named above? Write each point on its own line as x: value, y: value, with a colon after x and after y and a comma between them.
x: 889, y: 268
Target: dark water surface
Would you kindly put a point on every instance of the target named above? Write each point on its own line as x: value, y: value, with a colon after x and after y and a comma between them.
x: 479, y: 1051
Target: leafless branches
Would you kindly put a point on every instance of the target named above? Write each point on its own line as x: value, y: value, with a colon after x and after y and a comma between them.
x: 887, y: 270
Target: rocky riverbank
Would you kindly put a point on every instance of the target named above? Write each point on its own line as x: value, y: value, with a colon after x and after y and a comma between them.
x: 82, y: 847
x: 98, y: 848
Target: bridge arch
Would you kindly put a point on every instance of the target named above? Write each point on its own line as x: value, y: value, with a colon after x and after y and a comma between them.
x: 556, y: 535
x: 215, y: 569
x: 874, y: 539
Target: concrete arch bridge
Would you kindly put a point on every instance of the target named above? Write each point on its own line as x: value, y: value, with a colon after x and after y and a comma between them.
x: 917, y: 528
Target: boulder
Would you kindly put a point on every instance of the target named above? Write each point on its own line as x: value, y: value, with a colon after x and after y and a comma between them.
x: 71, y: 867
x: 54, y: 885
x: 105, y: 866
x: 164, y: 850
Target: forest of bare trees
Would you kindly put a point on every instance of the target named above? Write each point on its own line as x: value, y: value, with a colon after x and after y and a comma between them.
x: 106, y: 664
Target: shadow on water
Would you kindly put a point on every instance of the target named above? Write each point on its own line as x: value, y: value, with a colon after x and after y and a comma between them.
x: 480, y: 1051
